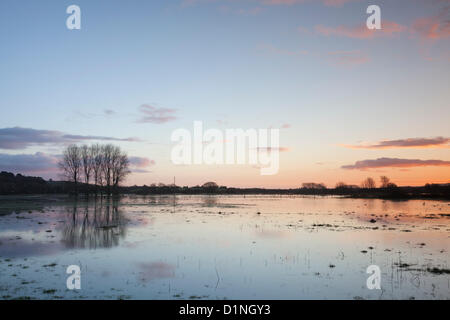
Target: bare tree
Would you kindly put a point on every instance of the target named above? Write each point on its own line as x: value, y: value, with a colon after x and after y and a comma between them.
x: 369, y: 183
x: 115, y: 165
x: 97, y: 160
x: 106, y: 167
x: 86, y: 161
x: 120, y: 168
x: 384, y: 181
x: 71, y: 164
x: 341, y: 185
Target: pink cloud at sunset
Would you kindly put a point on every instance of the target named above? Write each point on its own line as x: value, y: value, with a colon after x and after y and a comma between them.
x: 435, y: 27
x: 430, y: 27
x: 437, y: 142
x: 395, y: 163
x: 140, y: 164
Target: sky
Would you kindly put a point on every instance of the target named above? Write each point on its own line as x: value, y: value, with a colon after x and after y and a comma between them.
x: 349, y: 102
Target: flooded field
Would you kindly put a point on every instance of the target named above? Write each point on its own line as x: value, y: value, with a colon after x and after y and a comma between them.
x: 223, y: 247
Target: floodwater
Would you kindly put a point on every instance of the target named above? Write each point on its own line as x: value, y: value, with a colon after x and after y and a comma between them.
x: 223, y: 247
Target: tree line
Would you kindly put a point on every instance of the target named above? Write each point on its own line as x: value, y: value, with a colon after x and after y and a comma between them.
x: 104, y: 166
x: 11, y: 183
x: 368, y: 183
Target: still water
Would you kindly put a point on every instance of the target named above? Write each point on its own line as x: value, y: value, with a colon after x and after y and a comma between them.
x: 223, y: 247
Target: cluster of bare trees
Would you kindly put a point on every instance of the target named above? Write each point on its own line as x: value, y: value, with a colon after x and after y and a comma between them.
x: 368, y: 183
x: 385, y: 182
x: 101, y: 165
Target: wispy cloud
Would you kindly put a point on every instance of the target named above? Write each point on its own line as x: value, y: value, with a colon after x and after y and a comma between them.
x: 140, y: 164
x: 434, y: 27
x: 431, y: 27
x: 438, y: 142
x: 394, y: 163
x: 20, y: 138
x: 152, y: 114
x: 79, y: 114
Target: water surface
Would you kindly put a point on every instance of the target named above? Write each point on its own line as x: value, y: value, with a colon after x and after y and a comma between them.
x: 223, y: 247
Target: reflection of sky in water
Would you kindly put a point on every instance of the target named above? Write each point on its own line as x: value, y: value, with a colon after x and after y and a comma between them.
x: 225, y: 247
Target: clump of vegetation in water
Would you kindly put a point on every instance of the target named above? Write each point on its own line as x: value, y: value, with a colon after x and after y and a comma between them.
x: 438, y: 270
x: 50, y: 291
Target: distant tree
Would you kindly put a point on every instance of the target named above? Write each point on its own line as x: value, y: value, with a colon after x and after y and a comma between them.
x: 71, y: 164
x: 391, y: 185
x: 313, y: 185
x: 341, y: 185
x: 384, y: 181
x: 369, y: 183
x: 210, y: 184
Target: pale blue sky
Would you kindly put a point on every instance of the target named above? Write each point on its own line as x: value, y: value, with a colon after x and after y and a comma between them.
x: 243, y: 62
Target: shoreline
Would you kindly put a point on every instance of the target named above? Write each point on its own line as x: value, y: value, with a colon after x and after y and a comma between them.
x: 58, y: 196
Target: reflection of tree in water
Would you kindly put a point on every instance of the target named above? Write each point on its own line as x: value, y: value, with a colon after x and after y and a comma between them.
x: 94, y: 224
